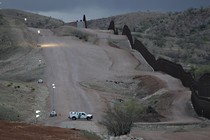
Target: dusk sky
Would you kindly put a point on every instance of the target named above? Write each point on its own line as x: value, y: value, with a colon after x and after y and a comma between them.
x: 71, y: 10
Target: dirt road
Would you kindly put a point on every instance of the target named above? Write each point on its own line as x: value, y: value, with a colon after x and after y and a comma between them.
x: 71, y: 61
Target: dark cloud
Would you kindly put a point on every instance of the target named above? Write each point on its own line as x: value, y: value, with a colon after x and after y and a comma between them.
x: 103, y: 7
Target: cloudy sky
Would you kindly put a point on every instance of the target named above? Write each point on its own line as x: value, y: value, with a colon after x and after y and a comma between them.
x: 71, y: 10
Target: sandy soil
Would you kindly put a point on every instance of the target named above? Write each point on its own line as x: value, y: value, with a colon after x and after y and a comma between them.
x: 20, y: 131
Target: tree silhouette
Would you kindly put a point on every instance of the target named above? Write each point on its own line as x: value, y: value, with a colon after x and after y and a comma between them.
x: 84, y: 19
x: 111, y: 26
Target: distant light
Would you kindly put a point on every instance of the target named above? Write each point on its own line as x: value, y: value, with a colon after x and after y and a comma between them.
x: 38, y: 111
x: 37, y: 116
x: 53, y: 85
x: 38, y: 31
x: 50, y: 45
x: 25, y: 19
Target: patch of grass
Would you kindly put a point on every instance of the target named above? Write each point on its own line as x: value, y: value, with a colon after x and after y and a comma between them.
x: 153, y: 100
x: 89, y: 135
x: 201, y: 70
x: 17, y: 87
x: 124, y: 88
x: 32, y: 89
x: 78, y: 33
x: 10, y: 84
x: 8, y: 113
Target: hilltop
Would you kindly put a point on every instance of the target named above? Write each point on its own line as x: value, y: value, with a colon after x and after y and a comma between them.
x: 182, y: 37
x: 134, y: 20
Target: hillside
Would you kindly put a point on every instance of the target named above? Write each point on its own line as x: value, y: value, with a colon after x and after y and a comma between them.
x: 19, y: 70
x: 89, y: 70
x: 133, y: 20
x: 33, y: 20
x: 182, y: 37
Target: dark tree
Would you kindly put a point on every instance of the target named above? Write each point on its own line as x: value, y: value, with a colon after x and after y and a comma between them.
x: 84, y: 19
x: 111, y: 26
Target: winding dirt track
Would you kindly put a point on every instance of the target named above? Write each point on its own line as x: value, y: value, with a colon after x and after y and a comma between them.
x: 70, y: 61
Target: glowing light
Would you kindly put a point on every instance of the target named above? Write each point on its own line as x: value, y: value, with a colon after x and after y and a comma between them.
x: 49, y: 45
x: 37, y: 111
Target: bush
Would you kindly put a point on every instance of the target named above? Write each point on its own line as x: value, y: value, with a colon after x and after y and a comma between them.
x: 119, y: 118
x: 202, y: 70
x: 89, y: 135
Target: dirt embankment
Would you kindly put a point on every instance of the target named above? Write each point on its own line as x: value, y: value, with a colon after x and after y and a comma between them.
x: 20, y: 131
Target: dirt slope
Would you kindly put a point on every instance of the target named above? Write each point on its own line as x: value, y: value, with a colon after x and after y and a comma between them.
x: 20, y: 131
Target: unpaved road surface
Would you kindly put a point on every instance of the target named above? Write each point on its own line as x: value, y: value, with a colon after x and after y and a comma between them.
x: 70, y: 61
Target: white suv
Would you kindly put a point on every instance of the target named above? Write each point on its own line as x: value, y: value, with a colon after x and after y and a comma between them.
x: 80, y: 115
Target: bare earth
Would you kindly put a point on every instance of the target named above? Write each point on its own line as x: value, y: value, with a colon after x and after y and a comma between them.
x: 71, y: 61
x: 21, y: 131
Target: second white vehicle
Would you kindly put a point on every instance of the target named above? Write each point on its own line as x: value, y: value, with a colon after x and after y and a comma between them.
x: 80, y: 115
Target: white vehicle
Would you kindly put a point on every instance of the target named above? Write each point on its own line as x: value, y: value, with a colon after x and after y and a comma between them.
x: 40, y: 81
x: 80, y: 115
x: 53, y: 113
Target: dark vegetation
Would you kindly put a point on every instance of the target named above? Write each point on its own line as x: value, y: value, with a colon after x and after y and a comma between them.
x: 85, y: 21
x: 119, y: 117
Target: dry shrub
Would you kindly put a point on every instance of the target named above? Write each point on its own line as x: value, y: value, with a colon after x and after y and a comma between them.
x: 119, y: 117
